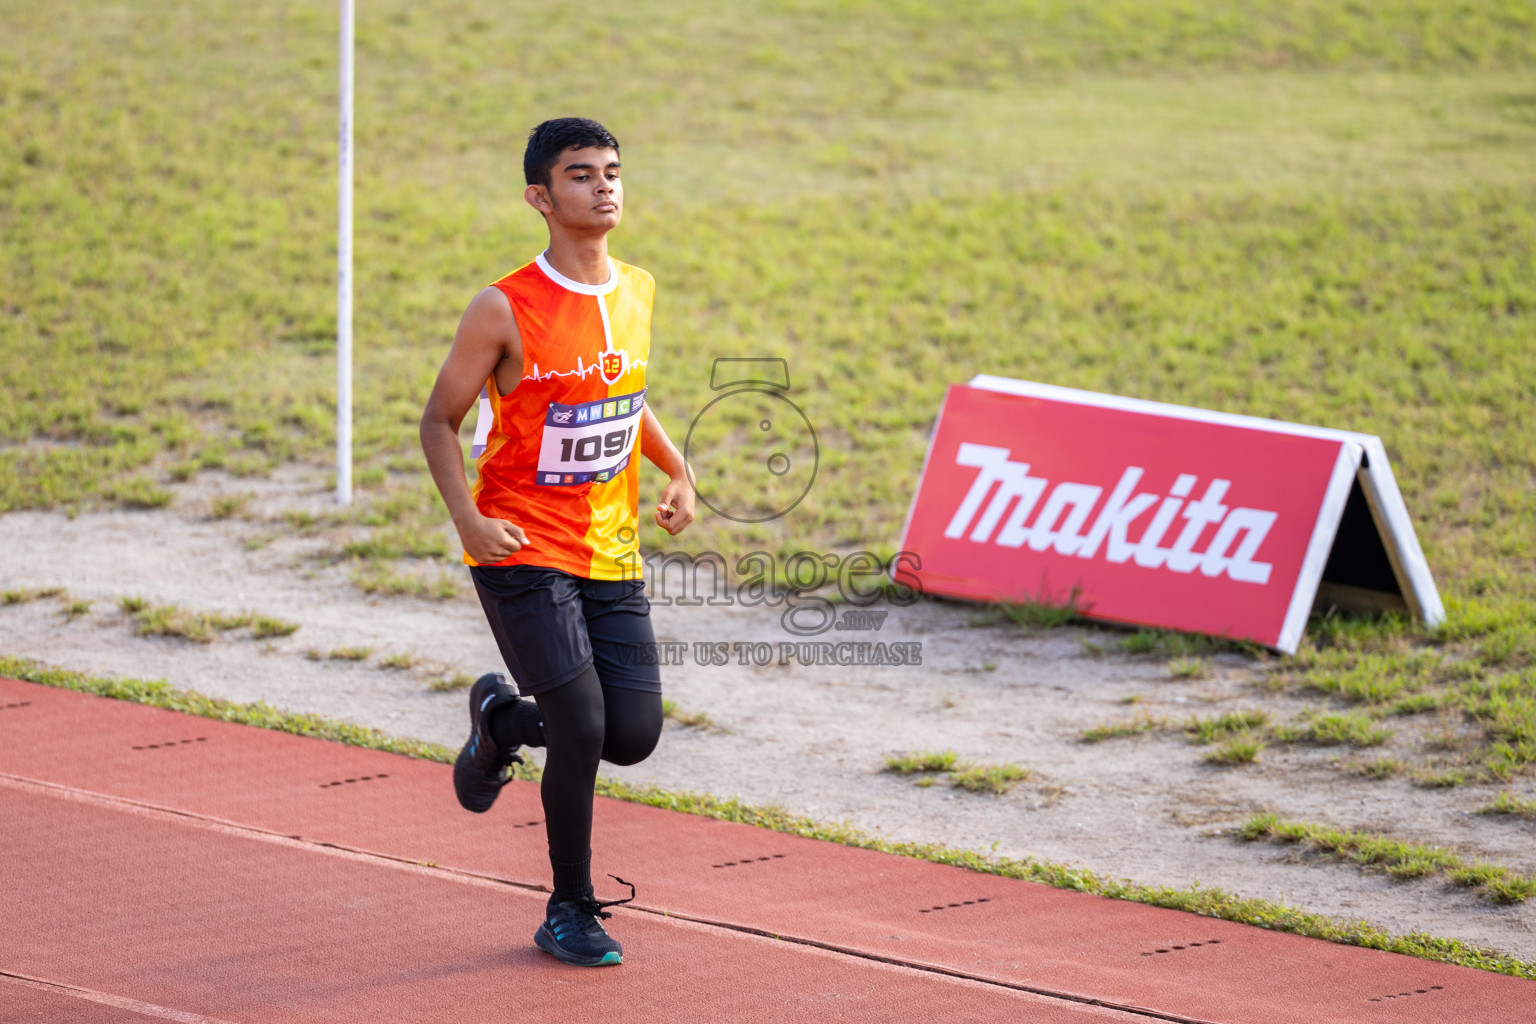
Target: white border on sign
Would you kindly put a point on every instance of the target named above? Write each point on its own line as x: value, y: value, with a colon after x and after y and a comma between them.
x: 1396, y: 529
x: 1323, y: 531
x: 1030, y: 389
x: 1375, y: 474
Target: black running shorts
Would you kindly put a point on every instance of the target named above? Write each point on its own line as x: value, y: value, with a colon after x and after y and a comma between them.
x: 551, y: 625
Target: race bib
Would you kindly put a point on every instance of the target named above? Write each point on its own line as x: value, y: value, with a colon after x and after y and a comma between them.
x: 591, y: 442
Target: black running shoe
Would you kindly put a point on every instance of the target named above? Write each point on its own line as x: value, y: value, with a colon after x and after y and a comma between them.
x: 573, y: 933
x: 481, y: 768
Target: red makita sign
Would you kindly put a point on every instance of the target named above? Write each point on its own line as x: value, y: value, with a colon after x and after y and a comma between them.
x: 1152, y: 514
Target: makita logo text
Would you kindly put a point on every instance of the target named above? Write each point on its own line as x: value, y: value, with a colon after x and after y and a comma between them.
x: 1059, y: 526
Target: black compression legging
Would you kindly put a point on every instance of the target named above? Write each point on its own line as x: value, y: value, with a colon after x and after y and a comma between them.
x: 584, y: 722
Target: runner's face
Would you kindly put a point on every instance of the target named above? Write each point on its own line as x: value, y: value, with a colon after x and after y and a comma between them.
x: 585, y: 191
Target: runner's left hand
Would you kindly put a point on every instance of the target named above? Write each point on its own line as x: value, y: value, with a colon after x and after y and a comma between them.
x: 676, y: 509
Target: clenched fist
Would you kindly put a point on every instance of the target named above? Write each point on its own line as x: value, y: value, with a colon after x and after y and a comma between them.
x: 675, y: 510
x: 488, y: 540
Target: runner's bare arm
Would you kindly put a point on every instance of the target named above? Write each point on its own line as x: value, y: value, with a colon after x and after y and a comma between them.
x: 675, y: 511
x: 487, y: 335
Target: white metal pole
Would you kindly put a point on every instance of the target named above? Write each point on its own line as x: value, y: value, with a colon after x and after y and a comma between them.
x: 344, y: 270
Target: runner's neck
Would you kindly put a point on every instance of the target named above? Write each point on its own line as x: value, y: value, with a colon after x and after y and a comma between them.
x: 583, y: 261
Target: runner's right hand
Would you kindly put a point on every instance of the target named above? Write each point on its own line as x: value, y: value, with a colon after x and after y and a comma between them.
x: 488, y: 540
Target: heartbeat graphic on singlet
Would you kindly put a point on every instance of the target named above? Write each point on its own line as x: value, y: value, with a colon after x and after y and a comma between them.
x: 580, y: 372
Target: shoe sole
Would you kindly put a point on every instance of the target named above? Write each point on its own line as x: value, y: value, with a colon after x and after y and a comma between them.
x: 462, y: 778
x: 460, y: 772
x: 547, y: 943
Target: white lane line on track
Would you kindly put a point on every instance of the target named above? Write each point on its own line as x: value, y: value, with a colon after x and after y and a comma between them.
x: 108, y: 999
x: 234, y: 829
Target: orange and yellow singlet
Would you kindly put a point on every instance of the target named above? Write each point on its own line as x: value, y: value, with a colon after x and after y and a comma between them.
x: 559, y: 456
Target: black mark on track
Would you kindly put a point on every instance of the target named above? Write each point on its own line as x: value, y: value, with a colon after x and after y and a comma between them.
x: 360, y: 778
x: 1187, y: 945
x: 951, y: 906
x: 15, y: 704
x: 747, y: 860
x: 169, y: 743
x: 1405, y: 995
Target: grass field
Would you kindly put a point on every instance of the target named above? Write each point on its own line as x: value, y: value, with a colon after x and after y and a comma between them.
x: 1315, y: 211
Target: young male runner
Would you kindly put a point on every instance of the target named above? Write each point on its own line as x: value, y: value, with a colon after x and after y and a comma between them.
x: 560, y: 347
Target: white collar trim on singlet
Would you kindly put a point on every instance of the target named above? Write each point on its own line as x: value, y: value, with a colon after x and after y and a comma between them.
x: 576, y: 286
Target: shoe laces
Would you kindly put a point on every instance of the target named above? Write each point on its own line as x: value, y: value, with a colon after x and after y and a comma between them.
x: 501, y: 760
x: 504, y: 760
x: 596, y: 909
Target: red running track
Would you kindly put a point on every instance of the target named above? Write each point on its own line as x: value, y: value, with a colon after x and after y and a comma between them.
x: 158, y: 866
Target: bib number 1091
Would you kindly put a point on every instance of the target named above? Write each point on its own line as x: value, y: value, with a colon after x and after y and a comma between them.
x: 590, y: 442
x: 593, y: 447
